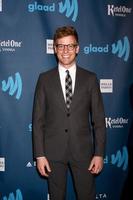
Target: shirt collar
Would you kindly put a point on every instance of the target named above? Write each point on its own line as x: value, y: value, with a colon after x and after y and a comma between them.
x: 63, y: 69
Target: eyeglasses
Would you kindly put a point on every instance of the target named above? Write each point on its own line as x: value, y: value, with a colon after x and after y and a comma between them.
x: 70, y: 47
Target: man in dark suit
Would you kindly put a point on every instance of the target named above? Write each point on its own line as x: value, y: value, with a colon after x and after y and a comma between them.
x: 68, y: 122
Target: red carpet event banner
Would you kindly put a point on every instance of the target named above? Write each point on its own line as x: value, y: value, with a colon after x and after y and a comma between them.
x: 26, y: 49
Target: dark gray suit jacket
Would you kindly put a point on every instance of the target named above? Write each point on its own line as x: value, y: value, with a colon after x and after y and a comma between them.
x: 82, y: 131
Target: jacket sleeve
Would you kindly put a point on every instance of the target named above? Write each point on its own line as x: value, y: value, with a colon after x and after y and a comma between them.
x: 98, y: 118
x: 38, y: 119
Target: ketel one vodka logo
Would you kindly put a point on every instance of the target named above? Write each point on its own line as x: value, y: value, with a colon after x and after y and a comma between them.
x: 118, y: 122
x: 120, y: 11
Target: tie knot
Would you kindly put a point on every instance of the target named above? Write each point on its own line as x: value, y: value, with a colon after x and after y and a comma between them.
x: 67, y: 71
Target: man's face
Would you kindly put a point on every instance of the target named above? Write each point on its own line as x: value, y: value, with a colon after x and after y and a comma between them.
x: 66, y: 49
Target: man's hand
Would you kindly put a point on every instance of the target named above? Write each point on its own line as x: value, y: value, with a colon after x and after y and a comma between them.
x: 43, y: 166
x: 96, y: 165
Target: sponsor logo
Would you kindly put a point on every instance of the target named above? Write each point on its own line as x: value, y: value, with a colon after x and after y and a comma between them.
x: 9, y: 45
x: 14, y: 87
x: 96, y: 49
x: 121, y: 48
x: 0, y: 5
x: 118, y: 122
x: 106, y: 85
x: 41, y: 7
x: 11, y: 196
x: 101, y: 196
x: 2, y: 164
x: 67, y: 7
x: 120, y: 159
x: 49, y: 46
x: 120, y: 11
x: 98, y: 196
x: 30, y: 127
x: 31, y: 164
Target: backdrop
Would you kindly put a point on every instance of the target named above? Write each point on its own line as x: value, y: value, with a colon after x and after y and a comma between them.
x: 26, y: 49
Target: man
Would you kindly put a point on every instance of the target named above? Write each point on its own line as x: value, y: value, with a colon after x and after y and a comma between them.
x: 68, y: 122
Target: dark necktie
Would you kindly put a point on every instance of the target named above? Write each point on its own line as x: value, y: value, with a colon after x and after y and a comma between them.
x: 68, y: 88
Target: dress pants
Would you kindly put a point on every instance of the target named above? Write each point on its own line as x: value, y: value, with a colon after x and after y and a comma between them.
x: 84, y: 181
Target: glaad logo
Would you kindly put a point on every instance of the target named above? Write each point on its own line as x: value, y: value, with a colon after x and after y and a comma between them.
x: 12, y: 197
x: 96, y: 49
x: 120, y: 11
x: 39, y: 7
x: 122, y: 50
x: 0, y: 5
x: 120, y: 159
x: 13, y: 86
x: 30, y: 127
x: 70, y: 9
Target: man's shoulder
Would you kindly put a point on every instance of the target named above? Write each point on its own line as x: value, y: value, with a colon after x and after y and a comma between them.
x: 86, y: 72
x: 49, y: 72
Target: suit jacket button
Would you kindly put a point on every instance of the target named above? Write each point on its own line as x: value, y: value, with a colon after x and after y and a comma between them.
x: 66, y: 130
x: 68, y: 114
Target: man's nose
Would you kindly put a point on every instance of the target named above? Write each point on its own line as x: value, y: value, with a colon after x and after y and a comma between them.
x: 65, y: 48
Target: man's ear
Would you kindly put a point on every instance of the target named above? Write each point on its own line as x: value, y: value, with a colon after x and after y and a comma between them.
x: 77, y: 49
x: 55, y: 49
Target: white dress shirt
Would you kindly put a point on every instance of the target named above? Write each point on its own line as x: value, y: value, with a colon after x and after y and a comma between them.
x: 62, y: 73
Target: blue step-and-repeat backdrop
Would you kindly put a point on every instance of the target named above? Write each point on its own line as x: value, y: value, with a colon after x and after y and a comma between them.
x: 105, y: 30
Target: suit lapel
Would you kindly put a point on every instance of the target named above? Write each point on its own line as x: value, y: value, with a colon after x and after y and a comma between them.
x: 78, y: 83
x: 58, y: 88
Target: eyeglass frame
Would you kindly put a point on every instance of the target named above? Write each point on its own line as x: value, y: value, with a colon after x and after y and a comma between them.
x: 70, y: 47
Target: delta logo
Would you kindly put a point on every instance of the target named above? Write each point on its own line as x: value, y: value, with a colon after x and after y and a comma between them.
x: 69, y: 8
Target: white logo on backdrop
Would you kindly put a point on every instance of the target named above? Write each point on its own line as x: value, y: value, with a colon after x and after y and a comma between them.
x: 0, y: 5
x: 2, y: 164
x: 49, y: 46
x: 106, y: 85
x: 120, y: 11
x: 118, y: 122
